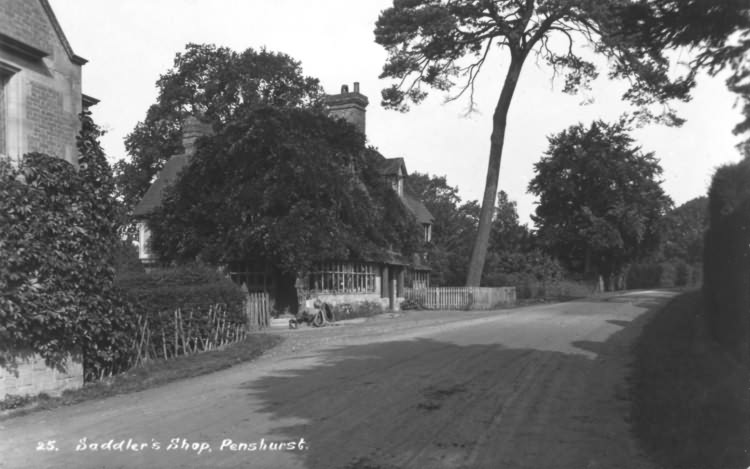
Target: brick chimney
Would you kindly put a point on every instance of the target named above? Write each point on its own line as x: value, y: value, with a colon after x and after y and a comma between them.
x: 193, y: 129
x: 349, y: 106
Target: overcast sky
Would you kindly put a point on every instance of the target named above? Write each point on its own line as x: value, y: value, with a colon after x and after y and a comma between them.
x: 130, y: 43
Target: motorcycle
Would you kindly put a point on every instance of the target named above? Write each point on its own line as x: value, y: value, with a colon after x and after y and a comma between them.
x: 321, y: 314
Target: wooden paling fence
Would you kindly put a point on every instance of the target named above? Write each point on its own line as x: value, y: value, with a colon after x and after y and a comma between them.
x: 170, y: 335
x: 461, y: 297
x: 258, y: 308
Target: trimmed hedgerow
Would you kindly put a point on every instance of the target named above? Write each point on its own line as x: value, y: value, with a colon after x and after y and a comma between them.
x: 727, y: 258
x: 187, y: 287
x: 184, y: 309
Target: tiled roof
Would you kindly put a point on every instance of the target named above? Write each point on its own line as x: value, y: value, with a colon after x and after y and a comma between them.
x: 390, y: 166
x: 416, y: 207
x: 152, y: 198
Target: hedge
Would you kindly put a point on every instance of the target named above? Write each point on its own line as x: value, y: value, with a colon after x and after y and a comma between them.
x: 188, y: 287
x: 183, y: 309
x: 727, y: 258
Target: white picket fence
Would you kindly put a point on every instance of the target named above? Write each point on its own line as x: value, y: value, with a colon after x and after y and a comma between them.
x: 462, y: 297
x: 258, y: 307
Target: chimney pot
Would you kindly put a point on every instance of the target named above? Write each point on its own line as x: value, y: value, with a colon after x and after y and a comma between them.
x: 348, y: 106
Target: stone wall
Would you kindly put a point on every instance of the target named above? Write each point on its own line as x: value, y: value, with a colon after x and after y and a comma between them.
x: 52, y: 128
x: 35, y: 377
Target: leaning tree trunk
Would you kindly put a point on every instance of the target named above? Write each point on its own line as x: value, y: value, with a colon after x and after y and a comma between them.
x: 499, y: 120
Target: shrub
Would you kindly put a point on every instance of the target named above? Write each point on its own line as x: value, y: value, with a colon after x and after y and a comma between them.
x: 682, y: 273
x: 126, y: 258
x: 184, y: 308
x: 14, y: 401
x: 411, y: 304
x: 530, y: 272
x: 357, y: 310
x: 188, y: 287
x: 57, y: 233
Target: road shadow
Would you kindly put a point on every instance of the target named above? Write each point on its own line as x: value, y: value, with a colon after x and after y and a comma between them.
x: 427, y: 403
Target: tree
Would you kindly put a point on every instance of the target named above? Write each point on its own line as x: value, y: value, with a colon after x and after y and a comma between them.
x: 600, y: 199
x: 283, y: 186
x: 217, y: 84
x: 436, y: 43
x: 454, y: 227
x: 507, y: 232
x: 717, y: 32
x: 684, y: 229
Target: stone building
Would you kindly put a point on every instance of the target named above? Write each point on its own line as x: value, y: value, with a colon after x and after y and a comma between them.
x: 337, y: 281
x: 40, y: 100
x: 40, y: 83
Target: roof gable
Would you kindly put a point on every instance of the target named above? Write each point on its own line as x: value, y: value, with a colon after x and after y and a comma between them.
x: 391, y: 166
x: 29, y: 27
x: 60, y: 34
x: 153, y: 196
x: 416, y: 207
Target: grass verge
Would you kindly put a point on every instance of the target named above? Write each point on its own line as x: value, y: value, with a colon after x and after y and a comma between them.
x: 691, y: 405
x: 155, y: 373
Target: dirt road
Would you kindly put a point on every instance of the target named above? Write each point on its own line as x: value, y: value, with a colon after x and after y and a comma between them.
x: 540, y: 387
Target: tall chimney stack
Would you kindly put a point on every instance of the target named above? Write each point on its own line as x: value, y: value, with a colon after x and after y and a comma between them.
x: 192, y: 129
x: 349, y: 106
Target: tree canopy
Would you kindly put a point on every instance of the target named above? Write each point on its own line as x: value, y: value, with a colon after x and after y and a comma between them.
x: 454, y: 227
x: 513, y: 257
x: 684, y: 229
x: 600, y: 200
x: 287, y: 186
x: 216, y: 83
x: 443, y: 45
x: 716, y: 32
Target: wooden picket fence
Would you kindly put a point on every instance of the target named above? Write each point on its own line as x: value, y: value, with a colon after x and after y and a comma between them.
x: 258, y: 308
x: 461, y: 297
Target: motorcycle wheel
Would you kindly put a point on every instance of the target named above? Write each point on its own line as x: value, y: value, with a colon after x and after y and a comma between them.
x: 318, y: 319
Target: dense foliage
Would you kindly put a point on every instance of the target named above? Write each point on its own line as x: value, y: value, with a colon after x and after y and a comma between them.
x: 57, y: 234
x: 512, y: 260
x: 218, y: 84
x: 600, y: 199
x: 289, y: 187
x: 445, y: 44
x: 727, y: 258
x: 453, y: 230
x: 188, y: 287
x: 716, y: 32
x: 683, y: 231
x: 183, y: 310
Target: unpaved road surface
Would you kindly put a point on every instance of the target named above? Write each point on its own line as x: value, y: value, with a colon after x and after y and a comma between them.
x: 539, y: 387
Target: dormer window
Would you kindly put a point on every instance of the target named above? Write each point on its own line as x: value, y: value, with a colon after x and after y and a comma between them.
x: 398, y: 182
x: 427, y: 232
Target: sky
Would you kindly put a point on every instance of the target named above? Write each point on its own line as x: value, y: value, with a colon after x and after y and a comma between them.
x: 129, y: 44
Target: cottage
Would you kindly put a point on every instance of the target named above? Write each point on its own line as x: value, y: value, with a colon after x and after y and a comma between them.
x: 337, y: 281
x: 40, y: 100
